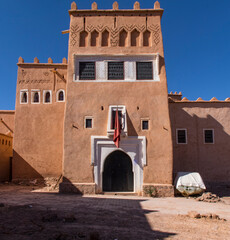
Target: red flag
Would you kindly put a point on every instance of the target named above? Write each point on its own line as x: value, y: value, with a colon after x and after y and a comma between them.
x: 117, y: 130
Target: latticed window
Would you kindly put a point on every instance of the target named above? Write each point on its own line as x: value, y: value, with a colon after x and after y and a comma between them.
x: 144, y: 70
x: 115, y: 70
x: 87, y: 70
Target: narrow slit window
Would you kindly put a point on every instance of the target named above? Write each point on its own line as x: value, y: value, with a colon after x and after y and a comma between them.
x: 181, y: 136
x: 87, y: 70
x: 144, y: 70
x: 208, y: 136
x: 24, y: 97
x: 116, y: 70
x: 47, y: 97
x: 61, y: 96
x: 36, y: 97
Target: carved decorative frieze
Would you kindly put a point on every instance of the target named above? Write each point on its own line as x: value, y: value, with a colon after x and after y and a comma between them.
x: 34, y: 81
x: 114, y: 32
x: 155, y: 29
x: 74, y: 36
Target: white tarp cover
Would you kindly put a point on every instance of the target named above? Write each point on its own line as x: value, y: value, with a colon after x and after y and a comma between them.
x: 189, y: 183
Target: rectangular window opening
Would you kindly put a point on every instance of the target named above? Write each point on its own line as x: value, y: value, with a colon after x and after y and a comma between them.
x: 88, y: 123
x: 181, y: 136
x: 145, y: 124
x: 208, y: 136
x: 144, y: 70
x: 87, y: 70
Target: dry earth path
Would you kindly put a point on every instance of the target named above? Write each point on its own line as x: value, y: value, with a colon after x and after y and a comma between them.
x: 27, y: 215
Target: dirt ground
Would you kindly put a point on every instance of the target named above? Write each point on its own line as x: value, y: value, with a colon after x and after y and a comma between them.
x: 29, y: 215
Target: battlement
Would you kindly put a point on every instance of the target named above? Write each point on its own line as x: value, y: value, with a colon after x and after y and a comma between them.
x: 177, y: 98
x: 36, y: 61
x: 115, y: 9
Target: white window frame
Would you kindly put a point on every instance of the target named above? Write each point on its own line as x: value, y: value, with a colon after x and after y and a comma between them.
x: 58, y: 94
x: 145, y: 119
x: 122, y: 108
x: 212, y: 135
x: 101, y: 67
x: 44, y: 96
x: 39, y: 94
x: 22, y: 91
x: 86, y: 118
x: 186, y: 135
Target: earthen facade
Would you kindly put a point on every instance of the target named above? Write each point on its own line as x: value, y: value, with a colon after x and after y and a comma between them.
x: 65, y: 112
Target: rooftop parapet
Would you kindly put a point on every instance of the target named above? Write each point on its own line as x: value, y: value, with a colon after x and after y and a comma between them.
x: 36, y: 62
x: 115, y: 9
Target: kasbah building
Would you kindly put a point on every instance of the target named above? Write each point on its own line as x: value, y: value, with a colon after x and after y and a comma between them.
x: 64, y: 118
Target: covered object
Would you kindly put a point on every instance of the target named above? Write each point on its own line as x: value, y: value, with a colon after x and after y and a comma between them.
x: 189, y: 183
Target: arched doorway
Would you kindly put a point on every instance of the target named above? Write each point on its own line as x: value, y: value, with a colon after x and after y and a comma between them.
x: 118, y: 174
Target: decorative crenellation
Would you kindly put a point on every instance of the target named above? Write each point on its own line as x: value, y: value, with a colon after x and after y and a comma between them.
x: 114, y: 32
x: 36, y: 60
x: 115, y: 6
x: 174, y: 97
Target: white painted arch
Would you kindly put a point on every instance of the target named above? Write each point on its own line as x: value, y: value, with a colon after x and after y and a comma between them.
x: 134, y: 147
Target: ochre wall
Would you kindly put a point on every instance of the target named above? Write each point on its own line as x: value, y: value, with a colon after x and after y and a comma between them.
x: 210, y: 160
x: 86, y: 99
x: 6, y: 153
x: 7, y: 118
x: 38, y: 138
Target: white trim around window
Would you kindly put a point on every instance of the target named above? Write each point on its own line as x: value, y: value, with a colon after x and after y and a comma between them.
x: 186, y: 138
x: 101, y: 67
x: 57, y: 95
x: 85, y: 122
x: 22, y: 91
x: 33, y: 91
x: 44, y: 96
x: 209, y: 129
x: 142, y: 120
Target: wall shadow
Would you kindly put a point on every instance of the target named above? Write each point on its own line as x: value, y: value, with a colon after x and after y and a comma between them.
x: 107, y: 217
x: 210, y: 160
x: 22, y: 170
x: 131, y: 130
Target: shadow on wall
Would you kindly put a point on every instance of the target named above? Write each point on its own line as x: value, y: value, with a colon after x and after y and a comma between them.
x: 211, y: 160
x: 21, y: 170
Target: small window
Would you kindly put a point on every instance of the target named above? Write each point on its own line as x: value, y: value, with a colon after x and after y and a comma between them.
x: 181, y: 136
x: 61, y: 96
x: 116, y: 70
x: 2, y: 141
x: 47, y: 97
x: 87, y: 70
x: 208, y: 136
x: 35, y: 96
x: 144, y: 70
x: 23, y: 96
x: 6, y: 142
x: 88, y: 122
x: 144, y: 124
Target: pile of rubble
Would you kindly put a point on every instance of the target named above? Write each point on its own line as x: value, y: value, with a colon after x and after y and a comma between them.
x: 194, y: 214
x: 47, y: 184
x: 208, y: 197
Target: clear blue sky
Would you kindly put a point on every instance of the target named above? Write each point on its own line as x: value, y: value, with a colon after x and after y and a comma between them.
x: 196, y: 37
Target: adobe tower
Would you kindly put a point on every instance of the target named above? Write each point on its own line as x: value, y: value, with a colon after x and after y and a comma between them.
x: 116, y: 62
